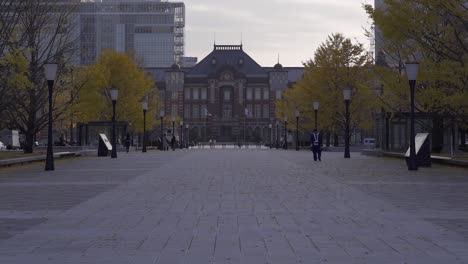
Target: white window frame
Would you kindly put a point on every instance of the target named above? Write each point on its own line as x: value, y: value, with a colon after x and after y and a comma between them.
x: 266, y: 111
x: 278, y: 95
x: 196, y: 111
x: 226, y: 95
x: 174, y: 110
x: 266, y: 94
x: 258, y: 93
x: 258, y: 111
x: 203, y: 94
x: 187, y: 111
x: 249, y: 93
x: 196, y: 94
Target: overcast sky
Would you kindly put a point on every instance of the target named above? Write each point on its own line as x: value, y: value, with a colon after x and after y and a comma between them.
x: 292, y: 28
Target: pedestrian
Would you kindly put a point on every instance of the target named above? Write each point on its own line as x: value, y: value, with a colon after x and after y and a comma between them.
x: 164, y: 142
x: 173, y: 141
x: 167, y: 139
x: 316, y: 143
x: 127, y: 143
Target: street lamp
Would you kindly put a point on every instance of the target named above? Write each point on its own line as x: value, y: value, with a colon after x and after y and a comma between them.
x: 347, y: 98
x: 412, y: 69
x: 385, y: 115
x: 181, y: 134
x: 316, y: 107
x: 297, y: 129
x: 114, y: 93
x: 378, y: 118
x: 285, y: 132
x: 50, y: 71
x: 173, y: 123
x: 270, y: 126
x: 161, y: 115
x: 144, y: 105
x: 188, y: 135
x: 277, y: 134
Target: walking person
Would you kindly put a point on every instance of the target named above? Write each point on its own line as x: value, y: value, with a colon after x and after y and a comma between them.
x: 316, y: 142
x: 173, y: 141
x: 164, y: 142
x: 127, y: 143
x: 167, y: 140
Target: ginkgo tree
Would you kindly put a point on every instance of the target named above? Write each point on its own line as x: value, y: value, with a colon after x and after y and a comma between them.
x: 435, y: 33
x: 338, y: 63
x: 120, y: 71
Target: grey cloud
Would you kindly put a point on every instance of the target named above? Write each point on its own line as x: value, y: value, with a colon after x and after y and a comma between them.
x: 294, y: 27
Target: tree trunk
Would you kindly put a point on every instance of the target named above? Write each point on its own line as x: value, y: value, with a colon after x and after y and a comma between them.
x: 328, y: 139
x: 28, y: 147
x: 335, y: 140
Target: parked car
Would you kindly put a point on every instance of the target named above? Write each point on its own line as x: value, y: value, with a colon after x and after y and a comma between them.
x: 2, y: 146
x: 369, y: 142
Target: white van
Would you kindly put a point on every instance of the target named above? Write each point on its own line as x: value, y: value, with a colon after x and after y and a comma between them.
x: 369, y: 142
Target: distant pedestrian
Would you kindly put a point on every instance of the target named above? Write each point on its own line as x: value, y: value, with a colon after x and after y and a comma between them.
x: 173, y: 141
x: 167, y: 139
x: 127, y: 143
x: 316, y: 142
x: 159, y: 143
x: 164, y: 142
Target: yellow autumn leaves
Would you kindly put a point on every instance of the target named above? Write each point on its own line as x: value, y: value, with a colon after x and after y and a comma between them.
x: 337, y: 64
x: 116, y: 70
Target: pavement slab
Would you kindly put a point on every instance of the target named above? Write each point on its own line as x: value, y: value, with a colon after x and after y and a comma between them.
x: 233, y: 206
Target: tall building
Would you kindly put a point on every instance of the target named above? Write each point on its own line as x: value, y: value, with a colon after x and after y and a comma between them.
x: 227, y: 96
x: 153, y: 29
x: 382, y: 57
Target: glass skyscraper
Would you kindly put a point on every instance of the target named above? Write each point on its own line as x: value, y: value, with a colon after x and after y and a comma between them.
x: 153, y: 30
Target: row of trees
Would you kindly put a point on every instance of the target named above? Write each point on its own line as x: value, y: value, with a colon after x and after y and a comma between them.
x: 337, y: 64
x: 35, y: 32
x: 432, y: 32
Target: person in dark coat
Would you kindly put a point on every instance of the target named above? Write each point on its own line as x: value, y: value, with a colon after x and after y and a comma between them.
x: 173, y: 141
x: 127, y: 143
x: 316, y: 142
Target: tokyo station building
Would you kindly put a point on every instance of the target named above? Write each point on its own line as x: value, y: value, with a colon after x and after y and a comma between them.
x: 225, y: 95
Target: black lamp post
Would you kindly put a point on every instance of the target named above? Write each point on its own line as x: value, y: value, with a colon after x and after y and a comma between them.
x: 144, y: 105
x: 114, y: 93
x: 385, y: 118
x: 181, y: 134
x: 316, y: 107
x: 50, y: 71
x: 379, y: 117
x: 347, y: 98
x: 285, y: 132
x: 277, y: 134
x: 161, y: 115
x: 297, y: 129
x: 187, y: 132
x: 271, y: 135
x: 412, y: 69
x: 173, y: 125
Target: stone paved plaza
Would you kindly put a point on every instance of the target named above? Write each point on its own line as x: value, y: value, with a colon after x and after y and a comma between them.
x: 233, y: 206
